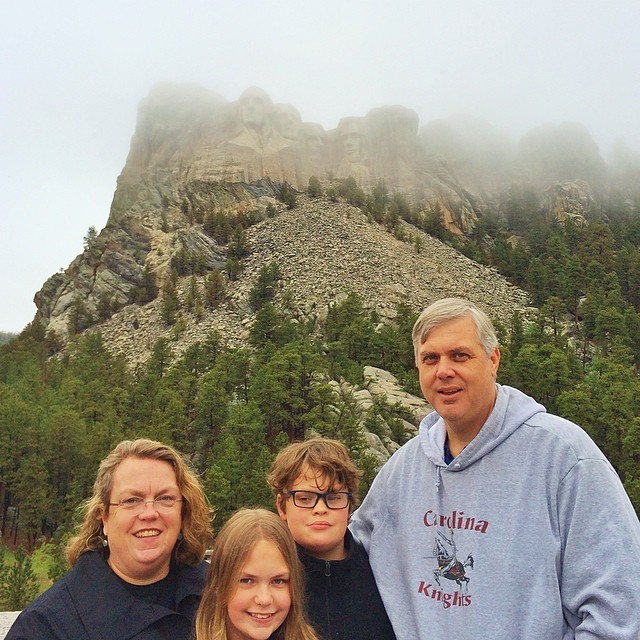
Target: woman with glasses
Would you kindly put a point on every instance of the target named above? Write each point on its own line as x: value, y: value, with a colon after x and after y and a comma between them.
x: 316, y: 488
x: 137, y: 568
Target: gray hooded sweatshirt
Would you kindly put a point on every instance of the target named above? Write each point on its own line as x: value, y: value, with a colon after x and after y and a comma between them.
x: 527, y: 534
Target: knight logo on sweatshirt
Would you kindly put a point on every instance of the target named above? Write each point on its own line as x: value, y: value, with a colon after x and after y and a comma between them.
x: 448, y: 567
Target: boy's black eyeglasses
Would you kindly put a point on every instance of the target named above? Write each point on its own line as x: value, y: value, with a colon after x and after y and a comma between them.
x: 309, y: 499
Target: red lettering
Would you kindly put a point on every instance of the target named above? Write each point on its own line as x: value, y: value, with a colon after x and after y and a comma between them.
x: 455, y: 520
x: 424, y: 588
x: 448, y: 600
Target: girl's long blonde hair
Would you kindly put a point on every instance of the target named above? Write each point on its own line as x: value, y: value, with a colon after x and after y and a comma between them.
x: 231, y: 550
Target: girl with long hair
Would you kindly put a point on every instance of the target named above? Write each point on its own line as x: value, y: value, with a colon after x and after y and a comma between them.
x: 254, y: 588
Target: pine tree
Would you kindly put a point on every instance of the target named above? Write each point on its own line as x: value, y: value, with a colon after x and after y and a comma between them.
x: 214, y: 289
x: 18, y: 582
x: 264, y: 289
x: 314, y: 189
x: 193, y: 299
x: 170, y: 302
x: 89, y: 240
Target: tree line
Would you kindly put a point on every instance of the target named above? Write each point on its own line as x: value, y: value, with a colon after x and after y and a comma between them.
x: 231, y: 409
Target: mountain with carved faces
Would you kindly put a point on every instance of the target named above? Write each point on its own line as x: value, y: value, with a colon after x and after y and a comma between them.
x: 196, y: 157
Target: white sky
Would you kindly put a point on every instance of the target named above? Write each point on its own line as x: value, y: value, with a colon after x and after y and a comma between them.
x: 72, y: 74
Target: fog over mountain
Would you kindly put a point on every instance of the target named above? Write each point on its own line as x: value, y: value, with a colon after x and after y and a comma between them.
x: 74, y: 73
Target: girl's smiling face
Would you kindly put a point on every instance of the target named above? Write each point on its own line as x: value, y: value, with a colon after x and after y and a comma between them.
x: 262, y: 598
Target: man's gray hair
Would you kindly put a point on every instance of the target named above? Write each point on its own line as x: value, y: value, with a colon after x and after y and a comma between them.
x: 452, y: 309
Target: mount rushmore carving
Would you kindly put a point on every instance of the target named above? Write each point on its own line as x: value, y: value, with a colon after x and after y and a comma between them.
x: 188, y: 134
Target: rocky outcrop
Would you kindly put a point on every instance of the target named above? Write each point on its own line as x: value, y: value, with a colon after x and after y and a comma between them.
x: 160, y: 225
x: 568, y: 200
x: 196, y: 155
x: 381, y: 388
x: 384, y: 385
x: 186, y: 135
x: 324, y: 251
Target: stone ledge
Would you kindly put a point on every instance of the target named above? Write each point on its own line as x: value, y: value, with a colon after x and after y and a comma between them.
x: 6, y: 620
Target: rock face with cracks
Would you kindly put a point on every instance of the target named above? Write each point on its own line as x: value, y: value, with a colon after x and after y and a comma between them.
x: 324, y: 251
x: 195, y: 157
x: 194, y: 153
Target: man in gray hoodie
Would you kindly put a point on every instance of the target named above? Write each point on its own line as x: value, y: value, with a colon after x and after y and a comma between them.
x: 499, y: 521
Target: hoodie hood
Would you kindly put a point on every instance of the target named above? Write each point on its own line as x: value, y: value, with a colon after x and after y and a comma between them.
x: 511, y: 410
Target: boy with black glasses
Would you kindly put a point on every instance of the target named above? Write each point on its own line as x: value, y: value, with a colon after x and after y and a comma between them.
x: 315, y: 484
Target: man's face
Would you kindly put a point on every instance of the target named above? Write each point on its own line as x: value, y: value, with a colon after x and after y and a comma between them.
x: 288, y: 122
x: 457, y: 377
x: 320, y: 530
x: 253, y: 110
x: 352, y: 143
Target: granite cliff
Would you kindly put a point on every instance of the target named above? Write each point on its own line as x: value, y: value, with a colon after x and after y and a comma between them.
x: 194, y: 154
x: 324, y: 250
x: 186, y: 136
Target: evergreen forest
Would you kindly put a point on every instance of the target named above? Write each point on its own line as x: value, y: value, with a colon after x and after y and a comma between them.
x: 231, y: 409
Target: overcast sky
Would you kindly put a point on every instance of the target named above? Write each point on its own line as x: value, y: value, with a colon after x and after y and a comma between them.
x: 72, y: 74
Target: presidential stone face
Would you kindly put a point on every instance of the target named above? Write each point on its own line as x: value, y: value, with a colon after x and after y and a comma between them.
x: 254, y: 106
x: 351, y: 136
x: 287, y: 121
